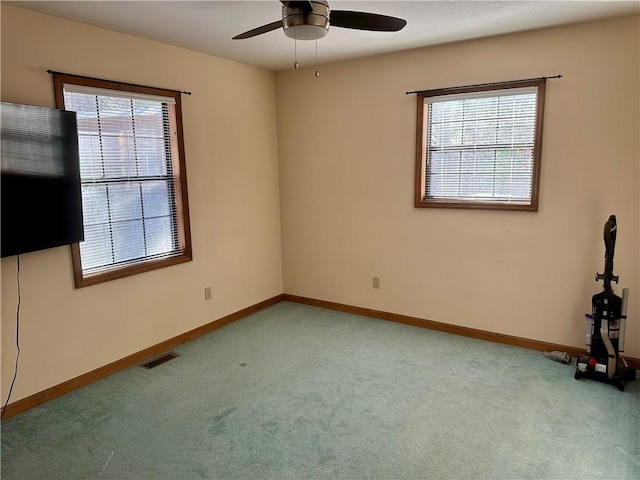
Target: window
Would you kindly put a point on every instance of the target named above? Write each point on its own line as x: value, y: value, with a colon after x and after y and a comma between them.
x: 479, y: 146
x: 132, y: 172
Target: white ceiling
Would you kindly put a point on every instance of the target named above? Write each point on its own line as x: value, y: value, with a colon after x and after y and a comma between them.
x: 207, y: 26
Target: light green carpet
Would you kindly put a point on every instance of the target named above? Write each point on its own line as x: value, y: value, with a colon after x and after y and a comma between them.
x: 297, y: 392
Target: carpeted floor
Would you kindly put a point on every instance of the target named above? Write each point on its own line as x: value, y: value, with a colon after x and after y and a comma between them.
x: 296, y: 392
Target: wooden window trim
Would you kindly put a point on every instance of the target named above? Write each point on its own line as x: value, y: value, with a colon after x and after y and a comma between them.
x: 182, y: 206
x: 420, y: 164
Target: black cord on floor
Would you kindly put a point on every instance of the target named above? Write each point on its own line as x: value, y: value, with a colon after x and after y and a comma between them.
x: 15, y: 370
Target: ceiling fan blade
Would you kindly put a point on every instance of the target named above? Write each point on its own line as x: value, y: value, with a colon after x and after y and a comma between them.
x: 302, y: 5
x: 259, y: 30
x: 366, y: 21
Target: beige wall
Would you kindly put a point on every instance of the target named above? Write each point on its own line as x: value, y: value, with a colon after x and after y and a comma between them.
x: 233, y: 192
x: 346, y: 153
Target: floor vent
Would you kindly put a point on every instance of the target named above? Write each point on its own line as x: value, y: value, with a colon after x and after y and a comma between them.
x: 159, y: 360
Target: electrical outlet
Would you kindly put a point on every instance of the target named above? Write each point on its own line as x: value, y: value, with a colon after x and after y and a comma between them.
x: 207, y: 293
x: 376, y: 282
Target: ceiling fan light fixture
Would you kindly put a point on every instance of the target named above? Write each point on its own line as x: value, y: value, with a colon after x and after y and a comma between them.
x: 306, y: 32
x: 302, y: 24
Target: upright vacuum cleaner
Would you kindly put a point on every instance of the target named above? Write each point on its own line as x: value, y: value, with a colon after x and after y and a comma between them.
x: 606, y: 325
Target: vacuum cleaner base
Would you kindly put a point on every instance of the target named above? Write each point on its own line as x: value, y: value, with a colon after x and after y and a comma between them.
x: 586, y: 367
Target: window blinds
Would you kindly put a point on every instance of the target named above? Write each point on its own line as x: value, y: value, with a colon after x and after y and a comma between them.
x: 128, y: 190
x: 479, y: 146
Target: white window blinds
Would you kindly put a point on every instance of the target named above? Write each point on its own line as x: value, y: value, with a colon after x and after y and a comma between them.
x: 126, y: 169
x: 480, y: 146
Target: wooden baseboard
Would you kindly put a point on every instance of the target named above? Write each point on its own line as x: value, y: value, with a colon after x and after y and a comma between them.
x: 131, y: 360
x: 139, y: 357
x: 447, y: 328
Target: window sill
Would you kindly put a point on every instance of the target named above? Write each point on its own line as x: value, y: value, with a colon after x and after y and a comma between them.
x: 85, y: 281
x: 467, y: 204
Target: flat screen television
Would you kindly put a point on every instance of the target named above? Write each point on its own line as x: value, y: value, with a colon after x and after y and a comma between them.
x: 41, y: 204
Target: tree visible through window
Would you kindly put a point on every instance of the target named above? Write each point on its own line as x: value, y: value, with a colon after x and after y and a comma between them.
x: 133, y: 178
x: 479, y: 147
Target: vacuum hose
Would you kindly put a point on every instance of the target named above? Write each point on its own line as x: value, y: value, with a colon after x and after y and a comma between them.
x: 611, y: 364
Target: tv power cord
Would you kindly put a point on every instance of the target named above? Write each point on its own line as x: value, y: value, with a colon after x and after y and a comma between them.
x: 15, y: 370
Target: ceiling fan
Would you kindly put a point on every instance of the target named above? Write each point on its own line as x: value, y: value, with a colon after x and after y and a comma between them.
x: 310, y: 20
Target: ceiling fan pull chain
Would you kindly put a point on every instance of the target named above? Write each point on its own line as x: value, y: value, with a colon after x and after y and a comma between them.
x: 317, y: 72
x: 295, y: 53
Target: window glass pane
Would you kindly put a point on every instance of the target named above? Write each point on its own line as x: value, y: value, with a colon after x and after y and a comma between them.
x: 523, y: 158
x: 91, y: 167
x: 94, y: 204
x: 472, y: 184
x: 436, y: 188
x: 505, y: 132
x: 119, y: 157
x: 435, y: 135
x: 469, y: 133
x: 116, y: 117
x: 125, y: 202
x: 451, y: 185
x: 155, y: 196
x: 152, y: 158
x: 525, y: 102
x: 159, y: 235
x: 483, y: 186
x: 484, y: 161
x: 523, y: 131
x: 128, y: 240
x: 86, y: 108
x: 502, y: 185
x: 506, y: 106
x: 148, y: 119
x: 452, y: 134
x: 484, y: 107
x: 486, y: 132
x: 449, y: 110
x: 444, y: 162
x: 521, y: 190
x: 96, y: 248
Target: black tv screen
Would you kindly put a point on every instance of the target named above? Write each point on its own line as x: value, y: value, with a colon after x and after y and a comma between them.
x: 40, y: 183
